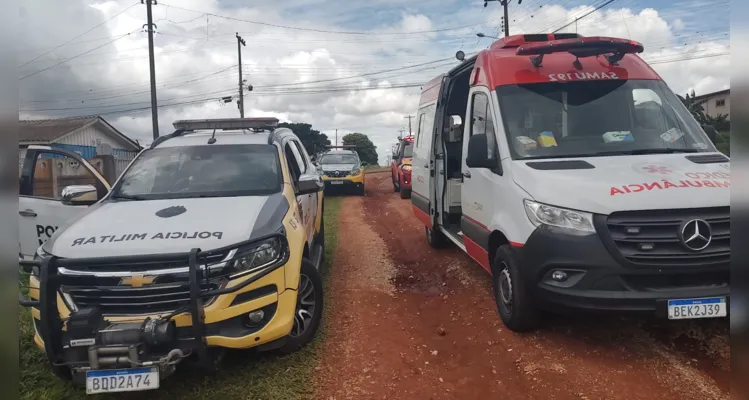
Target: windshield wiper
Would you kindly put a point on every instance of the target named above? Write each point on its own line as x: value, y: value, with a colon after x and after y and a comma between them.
x: 644, y: 151
x: 127, y: 197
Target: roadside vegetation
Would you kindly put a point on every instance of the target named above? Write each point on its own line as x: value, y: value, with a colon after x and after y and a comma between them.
x: 244, y: 374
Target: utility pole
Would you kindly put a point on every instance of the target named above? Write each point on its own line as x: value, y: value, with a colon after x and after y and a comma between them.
x: 152, y: 65
x: 240, y: 104
x: 409, y: 124
x: 336, y: 137
x: 505, y: 19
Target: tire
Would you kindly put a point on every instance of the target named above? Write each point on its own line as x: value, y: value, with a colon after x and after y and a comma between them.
x: 320, y: 240
x: 361, y: 191
x: 435, y: 238
x: 511, y: 294
x: 395, y: 183
x: 305, y: 325
x: 406, y: 194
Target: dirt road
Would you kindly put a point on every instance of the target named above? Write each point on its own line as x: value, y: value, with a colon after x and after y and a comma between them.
x: 410, y: 322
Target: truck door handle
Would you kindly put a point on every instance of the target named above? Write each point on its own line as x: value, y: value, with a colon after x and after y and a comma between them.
x: 27, y: 213
x: 467, y: 174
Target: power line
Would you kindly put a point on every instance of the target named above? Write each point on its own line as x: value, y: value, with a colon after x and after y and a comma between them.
x: 74, y: 57
x: 665, y: 61
x: 57, y: 47
x: 322, y: 30
x: 584, y: 15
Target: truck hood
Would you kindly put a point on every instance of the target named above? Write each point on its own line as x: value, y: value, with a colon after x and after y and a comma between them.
x: 337, y: 167
x: 607, y: 184
x: 116, y: 228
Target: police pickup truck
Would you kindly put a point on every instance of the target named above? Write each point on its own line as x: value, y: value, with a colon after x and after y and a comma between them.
x: 211, y: 239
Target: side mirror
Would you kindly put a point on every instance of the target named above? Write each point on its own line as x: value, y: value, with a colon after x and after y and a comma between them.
x: 79, y: 195
x: 308, y: 184
x: 711, y: 132
x: 478, y: 156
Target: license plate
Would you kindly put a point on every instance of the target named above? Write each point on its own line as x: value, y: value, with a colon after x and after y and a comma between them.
x: 711, y: 307
x: 336, y: 182
x: 122, y: 380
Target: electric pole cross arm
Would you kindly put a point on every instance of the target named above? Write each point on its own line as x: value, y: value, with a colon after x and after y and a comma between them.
x: 505, y: 19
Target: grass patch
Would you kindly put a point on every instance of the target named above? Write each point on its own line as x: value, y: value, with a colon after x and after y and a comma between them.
x: 245, y: 374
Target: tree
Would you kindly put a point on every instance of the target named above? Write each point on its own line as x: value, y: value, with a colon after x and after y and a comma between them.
x: 313, y: 140
x: 364, y: 147
x: 720, y: 122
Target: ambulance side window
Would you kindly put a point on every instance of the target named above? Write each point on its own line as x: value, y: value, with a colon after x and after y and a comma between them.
x: 482, y: 122
x: 419, y: 131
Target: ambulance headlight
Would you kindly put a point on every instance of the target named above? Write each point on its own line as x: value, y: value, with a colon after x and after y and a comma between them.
x: 355, y: 171
x: 406, y: 168
x: 258, y: 256
x: 577, y: 221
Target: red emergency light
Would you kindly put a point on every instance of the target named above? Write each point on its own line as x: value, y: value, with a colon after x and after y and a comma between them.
x: 614, y: 48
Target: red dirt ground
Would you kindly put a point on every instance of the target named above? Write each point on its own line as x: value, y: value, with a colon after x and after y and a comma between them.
x: 410, y: 322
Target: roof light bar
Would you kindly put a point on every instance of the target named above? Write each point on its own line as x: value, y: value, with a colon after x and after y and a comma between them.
x: 581, y: 47
x: 226, y: 123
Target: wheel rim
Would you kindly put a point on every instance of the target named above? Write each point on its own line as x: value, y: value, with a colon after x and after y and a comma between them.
x: 305, y: 306
x: 505, y: 287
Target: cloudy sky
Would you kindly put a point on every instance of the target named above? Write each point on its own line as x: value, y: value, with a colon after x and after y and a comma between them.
x: 354, y: 66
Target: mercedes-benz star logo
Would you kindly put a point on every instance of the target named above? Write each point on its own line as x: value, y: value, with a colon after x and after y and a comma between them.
x: 696, y: 234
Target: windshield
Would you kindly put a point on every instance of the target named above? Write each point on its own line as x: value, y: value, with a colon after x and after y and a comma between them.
x: 580, y: 119
x: 202, y: 171
x: 339, y: 159
x: 408, y: 151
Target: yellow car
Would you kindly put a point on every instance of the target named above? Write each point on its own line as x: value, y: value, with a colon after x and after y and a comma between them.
x: 209, y: 241
x: 342, y: 169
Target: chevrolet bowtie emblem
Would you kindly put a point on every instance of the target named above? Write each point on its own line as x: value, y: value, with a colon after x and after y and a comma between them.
x: 137, y: 281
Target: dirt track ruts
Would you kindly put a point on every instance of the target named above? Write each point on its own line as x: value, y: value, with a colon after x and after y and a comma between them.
x: 410, y: 322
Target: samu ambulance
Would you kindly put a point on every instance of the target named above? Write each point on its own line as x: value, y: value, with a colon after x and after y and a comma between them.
x: 211, y: 239
x: 567, y: 168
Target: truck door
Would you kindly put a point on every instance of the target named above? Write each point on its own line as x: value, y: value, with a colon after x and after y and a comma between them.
x: 45, y: 173
x: 477, y: 193
x: 422, y: 179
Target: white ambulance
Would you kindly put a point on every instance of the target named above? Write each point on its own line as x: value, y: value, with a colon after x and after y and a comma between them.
x: 567, y: 168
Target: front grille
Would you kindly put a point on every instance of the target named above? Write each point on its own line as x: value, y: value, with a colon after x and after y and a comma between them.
x: 111, y: 287
x: 113, y: 300
x: 337, y: 174
x: 653, y: 237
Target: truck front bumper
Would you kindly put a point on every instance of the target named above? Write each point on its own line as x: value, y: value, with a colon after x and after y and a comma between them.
x: 252, y: 311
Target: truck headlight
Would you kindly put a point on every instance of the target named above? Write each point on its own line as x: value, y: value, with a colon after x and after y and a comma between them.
x: 406, y: 168
x: 549, y: 215
x: 257, y: 256
x: 356, y: 171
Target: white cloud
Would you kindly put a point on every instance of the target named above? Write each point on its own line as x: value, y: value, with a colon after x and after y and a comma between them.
x: 193, y: 49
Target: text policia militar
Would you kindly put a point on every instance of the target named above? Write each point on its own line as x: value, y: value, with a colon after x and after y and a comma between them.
x: 143, y: 236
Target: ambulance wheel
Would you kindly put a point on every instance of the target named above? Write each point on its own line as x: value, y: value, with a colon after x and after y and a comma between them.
x: 395, y: 184
x: 435, y: 238
x: 406, y: 194
x: 308, y: 310
x: 511, y: 293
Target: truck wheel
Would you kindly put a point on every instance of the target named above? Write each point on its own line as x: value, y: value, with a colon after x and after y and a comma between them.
x: 321, y: 237
x: 511, y: 293
x: 435, y: 238
x: 395, y: 183
x: 406, y: 194
x: 308, y: 311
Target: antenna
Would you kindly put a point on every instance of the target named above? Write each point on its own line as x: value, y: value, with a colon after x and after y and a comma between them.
x: 212, y: 140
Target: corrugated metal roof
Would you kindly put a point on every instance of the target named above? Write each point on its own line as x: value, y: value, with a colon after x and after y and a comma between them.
x: 47, y: 130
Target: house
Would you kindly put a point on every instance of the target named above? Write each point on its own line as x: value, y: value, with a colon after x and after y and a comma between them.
x: 88, y: 136
x: 716, y: 103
